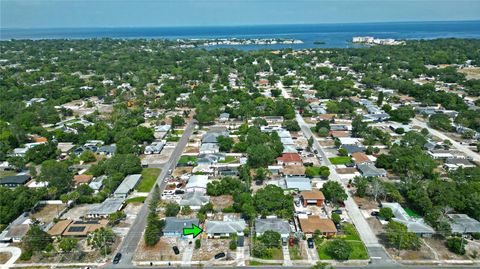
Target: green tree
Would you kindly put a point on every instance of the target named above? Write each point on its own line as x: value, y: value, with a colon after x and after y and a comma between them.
x: 399, y: 237
x: 172, y: 209
x: 225, y: 143
x: 336, y: 218
x: 36, y: 239
x: 102, y: 239
x: 339, y: 249
x: 186, y: 210
x: 57, y: 175
x: 334, y: 192
x: 127, y: 145
x: 271, y: 239
x: 456, y: 245
x: 68, y: 244
x: 88, y: 156
x: 386, y: 213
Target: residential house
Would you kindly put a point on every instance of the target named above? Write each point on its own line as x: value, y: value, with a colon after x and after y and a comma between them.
x: 195, y: 200
x: 227, y: 171
x: 298, y: 183
x: 414, y: 225
x: 293, y: 171
x: 127, y: 185
x: 224, y: 117
x: 107, y: 150
x: 446, y: 154
x: 225, y: 228
x: 174, y: 226
x: 107, y: 207
x: 97, y: 183
x: 272, y: 224
x: 154, y: 148
x: 14, y: 181
x: 463, y: 224
x: 312, y: 197
x: 453, y: 164
x: 369, y: 170
x: 209, y: 148
x: 313, y: 223
x: 353, y: 148
x: 82, y: 179
x: 197, y: 183
x: 210, y: 158
x: 360, y: 157
x: 289, y: 159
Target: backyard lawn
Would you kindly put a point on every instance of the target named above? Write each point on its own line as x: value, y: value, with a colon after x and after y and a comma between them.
x: 187, y: 159
x: 340, y: 160
x: 149, y: 176
x: 139, y: 199
x: 228, y: 159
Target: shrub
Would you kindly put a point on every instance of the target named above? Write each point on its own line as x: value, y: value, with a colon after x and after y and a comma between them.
x: 456, y: 245
x: 198, y: 243
x: 339, y: 249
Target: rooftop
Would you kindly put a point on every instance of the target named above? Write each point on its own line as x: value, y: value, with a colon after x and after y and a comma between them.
x: 312, y: 195
x: 313, y: 223
x: 272, y: 224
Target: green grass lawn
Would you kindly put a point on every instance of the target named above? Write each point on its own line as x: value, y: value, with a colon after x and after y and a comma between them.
x: 173, y: 138
x: 295, y: 253
x: 277, y: 254
x: 351, y: 232
x: 359, y: 252
x: 255, y: 263
x: 136, y: 200
x: 149, y: 176
x: 228, y: 159
x: 7, y: 173
x: 411, y: 213
x: 186, y: 159
x: 340, y: 160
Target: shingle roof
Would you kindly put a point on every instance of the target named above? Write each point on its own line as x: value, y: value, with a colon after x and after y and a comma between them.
x: 225, y: 227
x: 299, y: 183
x: 313, y: 223
x: 176, y: 225
x: 19, y: 179
x: 312, y: 195
x: 277, y: 225
x: 194, y: 199
x: 462, y: 223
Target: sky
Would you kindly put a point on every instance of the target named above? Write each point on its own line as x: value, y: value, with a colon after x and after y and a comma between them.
x: 160, y: 13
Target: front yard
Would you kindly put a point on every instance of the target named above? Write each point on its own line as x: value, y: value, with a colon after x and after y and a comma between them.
x: 340, y: 160
x: 149, y: 176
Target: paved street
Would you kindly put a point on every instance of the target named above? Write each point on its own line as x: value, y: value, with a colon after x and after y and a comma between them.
x: 131, y: 240
x: 475, y: 156
x: 375, y: 249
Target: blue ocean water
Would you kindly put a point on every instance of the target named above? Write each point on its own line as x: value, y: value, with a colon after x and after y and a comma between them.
x: 333, y: 35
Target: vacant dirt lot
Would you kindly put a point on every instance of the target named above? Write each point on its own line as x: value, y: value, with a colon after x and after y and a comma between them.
x: 162, y: 251
x: 4, y: 257
x: 222, y: 201
x: 210, y: 247
x: 78, y: 211
x: 46, y: 213
x: 471, y: 73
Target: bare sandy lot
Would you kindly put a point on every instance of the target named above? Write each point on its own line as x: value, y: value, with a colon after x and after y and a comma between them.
x: 210, y: 247
x: 162, y: 251
x: 46, y: 213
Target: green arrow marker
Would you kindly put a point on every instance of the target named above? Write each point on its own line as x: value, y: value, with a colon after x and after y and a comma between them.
x: 195, y: 230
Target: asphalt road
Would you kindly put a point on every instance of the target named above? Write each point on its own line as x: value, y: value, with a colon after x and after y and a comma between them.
x: 131, y: 240
x: 375, y: 249
x: 475, y: 156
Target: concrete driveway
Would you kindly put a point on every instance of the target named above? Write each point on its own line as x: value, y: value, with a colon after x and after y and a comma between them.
x: 14, y: 251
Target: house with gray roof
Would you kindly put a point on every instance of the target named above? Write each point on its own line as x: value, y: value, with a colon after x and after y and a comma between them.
x: 127, y: 185
x: 369, y: 170
x: 224, y: 228
x: 211, y: 158
x: 97, y: 183
x: 14, y: 181
x: 272, y: 224
x: 195, y: 200
x: 463, y: 224
x: 414, y: 225
x: 174, y: 226
x: 298, y: 183
x: 107, y: 207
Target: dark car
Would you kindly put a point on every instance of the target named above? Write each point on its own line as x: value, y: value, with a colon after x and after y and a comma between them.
x: 179, y: 191
x: 375, y: 213
x: 315, y: 151
x: 219, y: 255
x: 310, y: 242
x: 176, y: 250
x: 117, y: 258
x: 337, y: 211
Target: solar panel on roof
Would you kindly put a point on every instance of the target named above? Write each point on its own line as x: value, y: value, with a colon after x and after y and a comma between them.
x: 75, y: 229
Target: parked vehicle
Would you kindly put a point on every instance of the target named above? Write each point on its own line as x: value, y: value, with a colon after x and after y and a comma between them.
x: 291, y: 241
x: 310, y: 242
x: 337, y: 211
x: 117, y: 258
x: 374, y: 213
x: 219, y: 255
x: 176, y: 250
x: 284, y: 241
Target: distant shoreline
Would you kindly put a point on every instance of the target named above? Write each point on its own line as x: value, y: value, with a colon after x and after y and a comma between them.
x: 330, y: 35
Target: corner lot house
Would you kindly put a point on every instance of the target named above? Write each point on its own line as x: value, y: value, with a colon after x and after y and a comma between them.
x: 174, y: 226
x: 414, y: 225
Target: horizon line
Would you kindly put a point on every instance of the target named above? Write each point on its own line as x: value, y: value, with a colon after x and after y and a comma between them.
x: 237, y: 25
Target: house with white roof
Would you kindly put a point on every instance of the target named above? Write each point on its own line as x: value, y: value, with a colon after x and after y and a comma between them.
x: 197, y: 183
